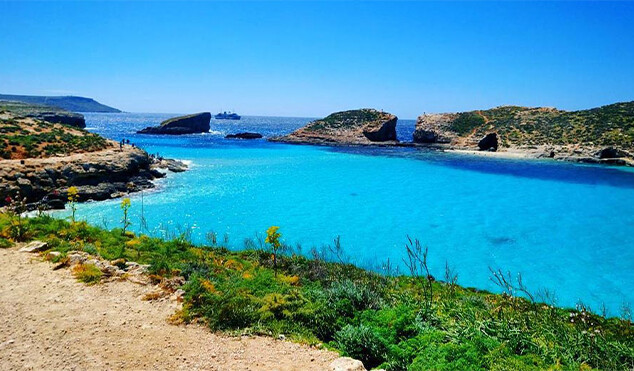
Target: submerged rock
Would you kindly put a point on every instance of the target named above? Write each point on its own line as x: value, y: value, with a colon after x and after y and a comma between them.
x: 362, y: 126
x: 189, y: 124
x: 245, y: 135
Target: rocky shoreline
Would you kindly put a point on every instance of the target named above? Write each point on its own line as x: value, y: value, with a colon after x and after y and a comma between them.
x: 100, y: 175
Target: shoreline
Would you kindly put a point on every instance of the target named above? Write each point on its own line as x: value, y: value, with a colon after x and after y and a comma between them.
x: 511, y: 153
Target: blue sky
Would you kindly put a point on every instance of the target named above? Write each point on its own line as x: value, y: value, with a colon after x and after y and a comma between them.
x: 310, y: 59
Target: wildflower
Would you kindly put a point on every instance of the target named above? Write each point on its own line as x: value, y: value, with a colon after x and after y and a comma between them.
x: 273, y: 239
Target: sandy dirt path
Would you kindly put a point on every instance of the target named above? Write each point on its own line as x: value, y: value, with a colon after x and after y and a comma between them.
x: 48, y: 321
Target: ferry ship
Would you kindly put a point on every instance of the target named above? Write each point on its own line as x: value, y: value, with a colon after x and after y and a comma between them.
x: 227, y: 116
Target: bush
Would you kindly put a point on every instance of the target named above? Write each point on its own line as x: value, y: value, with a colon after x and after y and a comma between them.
x: 362, y: 343
x: 4, y: 243
x: 87, y: 273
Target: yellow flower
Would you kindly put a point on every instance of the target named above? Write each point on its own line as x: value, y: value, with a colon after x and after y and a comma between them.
x: 72, y: 193
x: 125, y: 203
x: 273, y: 236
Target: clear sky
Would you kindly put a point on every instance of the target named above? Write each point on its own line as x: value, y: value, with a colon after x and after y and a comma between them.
x: 309, y: 59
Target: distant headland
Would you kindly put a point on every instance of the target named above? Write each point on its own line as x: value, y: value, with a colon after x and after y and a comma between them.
x: 69, y: 103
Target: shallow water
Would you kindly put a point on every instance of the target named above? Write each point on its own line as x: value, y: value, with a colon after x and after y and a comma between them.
x: 565, y: 227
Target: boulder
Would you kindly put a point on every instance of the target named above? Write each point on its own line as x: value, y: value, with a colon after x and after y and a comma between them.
x: 357, y: 127
x: 35, y: 246
x: 244, y: 135
x: 346, y: 364
x: 489, y: 142
x: 189, y: 124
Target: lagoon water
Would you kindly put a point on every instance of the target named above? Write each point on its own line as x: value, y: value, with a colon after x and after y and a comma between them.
x: 565, y: 227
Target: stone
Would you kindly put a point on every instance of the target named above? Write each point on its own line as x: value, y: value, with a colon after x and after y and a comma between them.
x: 53, y: 254
x: 189, y: 124
x: 346, y: 364
x: 489, y: 142
x: 245, y: 135
x: 35, y: 246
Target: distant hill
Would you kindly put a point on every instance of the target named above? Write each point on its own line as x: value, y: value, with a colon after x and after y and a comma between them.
x: 69, y: 103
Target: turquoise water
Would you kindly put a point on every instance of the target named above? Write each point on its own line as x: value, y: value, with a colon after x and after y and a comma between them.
x: 565, y: 227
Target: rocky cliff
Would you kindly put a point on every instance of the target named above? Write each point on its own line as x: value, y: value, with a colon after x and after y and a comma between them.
x: 587, y: 135
x: 358, y: 127
x: 97, y: 175
x: 39, y: 160
x: 189, y: 124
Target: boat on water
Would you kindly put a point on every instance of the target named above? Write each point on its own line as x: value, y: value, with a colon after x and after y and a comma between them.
x: 227, y: 116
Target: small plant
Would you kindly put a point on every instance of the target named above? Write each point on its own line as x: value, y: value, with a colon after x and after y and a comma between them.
x: 17, y: 226
x: 87, y: 273
x: 273, y: 239
x: 73, y: 197
x: 125, y: 206
x: 416, y: 263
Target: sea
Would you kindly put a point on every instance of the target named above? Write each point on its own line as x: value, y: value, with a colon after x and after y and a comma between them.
x: 567, y: 229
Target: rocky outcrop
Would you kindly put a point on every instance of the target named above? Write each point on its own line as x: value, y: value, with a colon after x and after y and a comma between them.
x: 97, y: 175
x: 189, y: 124
x: 489, y: 142
x: 67, y: 118
x: 434, y: 128
x: 356, y: 127
x: 244, y: 135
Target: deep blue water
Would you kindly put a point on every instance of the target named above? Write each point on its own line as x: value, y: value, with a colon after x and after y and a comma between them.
x: 565, y: 227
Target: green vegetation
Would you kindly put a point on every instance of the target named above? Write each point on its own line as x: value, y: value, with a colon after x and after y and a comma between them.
x: 70, y: 103
x: 87, y: 273
x: 31, y: 138
x: 391, y: 321
x: 611, y: 125
x: 346, y: 119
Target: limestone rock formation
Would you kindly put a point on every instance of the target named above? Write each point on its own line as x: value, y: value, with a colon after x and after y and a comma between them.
x: 189, y: 124
x: 359, y: 127
x: 97, y: 175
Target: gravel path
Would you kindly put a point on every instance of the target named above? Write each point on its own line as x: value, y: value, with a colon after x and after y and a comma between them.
x: 50, y: 321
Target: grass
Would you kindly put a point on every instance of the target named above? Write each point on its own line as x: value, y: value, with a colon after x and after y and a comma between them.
x: 391, y: 321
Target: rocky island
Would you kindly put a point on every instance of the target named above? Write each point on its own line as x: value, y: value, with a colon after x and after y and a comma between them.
x: 599, y: 135
x: 189, y: 124
x: 42, y: 159
x: 356, y: 127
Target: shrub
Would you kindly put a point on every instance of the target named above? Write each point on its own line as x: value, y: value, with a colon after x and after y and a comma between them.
x: 4, y: 243
x: 87, y: 273
x: 362, y: 343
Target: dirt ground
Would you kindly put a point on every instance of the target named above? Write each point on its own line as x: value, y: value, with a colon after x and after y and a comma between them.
x: 48, y: 320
